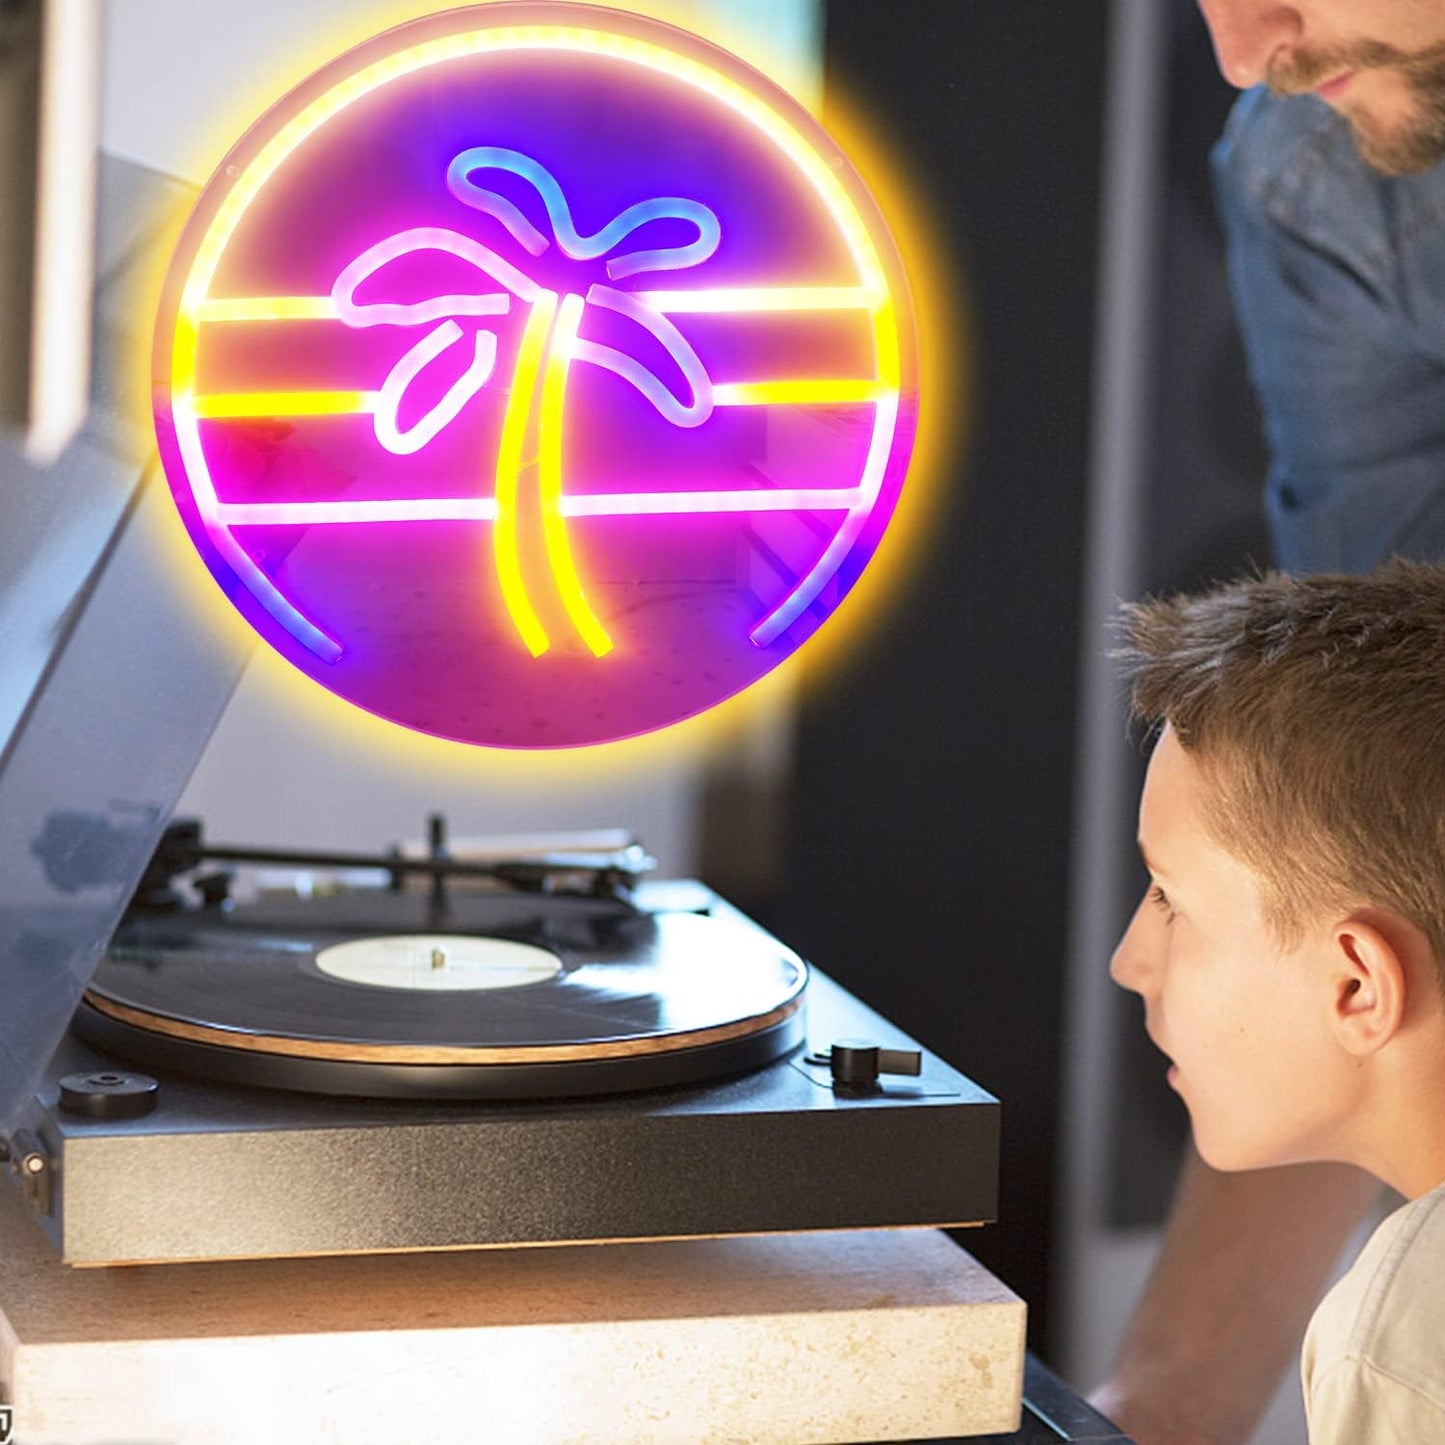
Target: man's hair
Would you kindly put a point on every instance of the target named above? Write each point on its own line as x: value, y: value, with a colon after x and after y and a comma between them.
x: 1315, y: 709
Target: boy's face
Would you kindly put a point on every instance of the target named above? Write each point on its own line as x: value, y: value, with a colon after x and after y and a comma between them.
x: 1244, y: 1021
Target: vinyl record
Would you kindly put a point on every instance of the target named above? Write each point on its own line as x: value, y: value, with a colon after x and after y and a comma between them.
x: 499, y: 996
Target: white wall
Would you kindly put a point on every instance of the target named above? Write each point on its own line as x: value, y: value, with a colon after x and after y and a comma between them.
x: 182, y: 79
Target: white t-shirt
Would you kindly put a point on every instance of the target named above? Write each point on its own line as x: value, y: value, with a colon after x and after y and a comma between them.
x: 1374, y: 1355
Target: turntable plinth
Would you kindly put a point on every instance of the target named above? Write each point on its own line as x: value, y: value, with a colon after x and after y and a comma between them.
x: 224, y: 1173
x: 830, y: 1337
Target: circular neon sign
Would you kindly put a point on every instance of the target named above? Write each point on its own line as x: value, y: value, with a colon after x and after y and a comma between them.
x: 535, y: 375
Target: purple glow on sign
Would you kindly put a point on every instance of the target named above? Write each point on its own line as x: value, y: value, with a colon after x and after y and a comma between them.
x: 442, y: 436
x: 685, y: 414
x: 579, y: 247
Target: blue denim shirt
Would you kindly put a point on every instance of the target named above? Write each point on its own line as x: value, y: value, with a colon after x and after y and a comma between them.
x: 1338, y: 275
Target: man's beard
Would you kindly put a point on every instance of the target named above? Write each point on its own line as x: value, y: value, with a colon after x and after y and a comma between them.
x: 1416, y: 141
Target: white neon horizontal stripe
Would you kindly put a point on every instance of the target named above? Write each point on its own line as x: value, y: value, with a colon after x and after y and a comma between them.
x: 801, y: 391
x: 742, y: 300
x: 298, y: 514
x: 751, y: 299
x: 645, y: 504
x: 484, y: 509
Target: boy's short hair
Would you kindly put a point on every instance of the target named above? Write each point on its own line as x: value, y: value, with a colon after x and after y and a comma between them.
x: 1315, y: 707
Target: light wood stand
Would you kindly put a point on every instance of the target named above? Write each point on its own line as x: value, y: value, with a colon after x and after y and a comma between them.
x: 788, y: 1338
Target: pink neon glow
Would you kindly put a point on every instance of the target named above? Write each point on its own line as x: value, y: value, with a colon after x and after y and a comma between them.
x: 690, y: 415
x: 658, y: 504
x: 435, y: 509
x: 484, y: 509
x: 208, y: 509
x: 458, y: 394
x: 809, y: 586
x: 301, y: 627
x: 419, y: 313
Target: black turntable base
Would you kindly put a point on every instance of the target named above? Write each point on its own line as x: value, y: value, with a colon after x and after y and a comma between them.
x: 641, y: 1069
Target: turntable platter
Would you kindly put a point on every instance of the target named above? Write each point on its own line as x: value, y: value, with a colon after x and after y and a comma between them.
x: 510, y: 997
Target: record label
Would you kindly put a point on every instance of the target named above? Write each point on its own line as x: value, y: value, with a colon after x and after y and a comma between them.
x: 438, y: 962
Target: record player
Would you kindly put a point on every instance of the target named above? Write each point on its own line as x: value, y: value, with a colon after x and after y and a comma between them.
x: 560, y: 1052
x: 540, y: 1061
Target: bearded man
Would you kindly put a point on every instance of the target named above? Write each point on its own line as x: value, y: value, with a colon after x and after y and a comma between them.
x: 1331, y: 186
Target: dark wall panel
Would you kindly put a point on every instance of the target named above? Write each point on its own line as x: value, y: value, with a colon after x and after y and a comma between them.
x: 1201, y: 520
x: 928, y: 862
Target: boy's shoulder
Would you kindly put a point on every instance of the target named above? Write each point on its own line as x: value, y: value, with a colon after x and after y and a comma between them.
x: 1374, y: 1357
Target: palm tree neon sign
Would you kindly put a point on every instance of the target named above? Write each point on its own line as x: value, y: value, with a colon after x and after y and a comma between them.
x: 452, y: 333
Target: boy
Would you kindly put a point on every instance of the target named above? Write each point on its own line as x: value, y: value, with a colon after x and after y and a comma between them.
x: 1291, y: 948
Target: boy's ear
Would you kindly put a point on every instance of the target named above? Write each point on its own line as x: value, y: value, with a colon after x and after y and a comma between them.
x: 1377, y: 957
